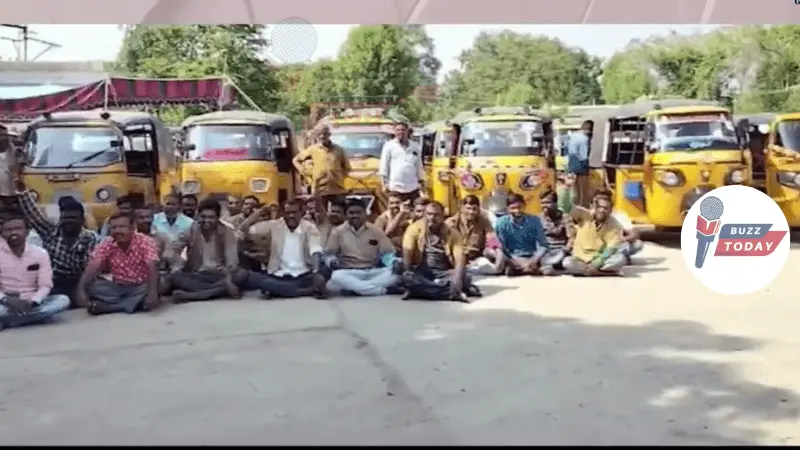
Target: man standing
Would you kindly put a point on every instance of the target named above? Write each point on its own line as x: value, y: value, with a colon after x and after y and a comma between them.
x: 578, y: 148
x: 26, y: 279
x: 401, y: 169
x: 212, y: 263
x: 66, y: 241
x: 358, y: 252
x: 330, y: 166
x: 522, y: 240
x: 294, y: 255
x: 172, y: 222
x: 598, y: 238
x: 433, y: 259
x: 132, y: 258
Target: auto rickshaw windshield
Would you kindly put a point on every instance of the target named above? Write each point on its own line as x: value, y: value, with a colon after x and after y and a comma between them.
x: 73, y: 146
x: 695, y: 133
x: 230, y: 143
x: 361, y: 144
x: 503, y: 138
x: 788, y: 135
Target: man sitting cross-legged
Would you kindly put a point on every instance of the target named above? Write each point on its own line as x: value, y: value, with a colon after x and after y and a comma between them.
x: 523, y: 241
x: 132, y: 259
x: 596, y: 246
x: 357, y: 251
x: 212, y: 261
x: 290, y: 247
x: 434, y: 260
x: 26, y: 279
x: 476, y: 229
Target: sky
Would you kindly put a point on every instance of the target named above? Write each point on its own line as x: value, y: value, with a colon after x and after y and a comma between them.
x: 102, y: 42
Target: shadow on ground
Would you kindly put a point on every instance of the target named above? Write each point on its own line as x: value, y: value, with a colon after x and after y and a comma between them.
x: 382, y: 371
x: 503, y: 376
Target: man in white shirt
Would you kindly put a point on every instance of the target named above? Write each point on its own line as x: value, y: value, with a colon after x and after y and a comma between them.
x: 295, y: 250
x: 401, y: 169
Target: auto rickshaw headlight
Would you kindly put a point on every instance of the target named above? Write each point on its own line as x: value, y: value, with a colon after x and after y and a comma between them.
x: 443, y: 175
x: 103, y: 195
x: 190, y: 187
x: 670, y: 178
x: 259, y: 185
x: 736, y: 176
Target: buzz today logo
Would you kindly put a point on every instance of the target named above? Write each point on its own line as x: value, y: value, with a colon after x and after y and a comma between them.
x: 735, y: 240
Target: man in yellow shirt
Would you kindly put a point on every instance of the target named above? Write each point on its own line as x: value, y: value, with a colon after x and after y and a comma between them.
x: 330, y: 166
x: 597, y: 241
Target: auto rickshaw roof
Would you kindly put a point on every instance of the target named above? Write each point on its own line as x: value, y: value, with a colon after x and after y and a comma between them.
x: 502, y: 113
x: 439, y: 125
x: 787, y: 116
x: 645, y: 107
x: 758, y: 118
x: 121, y: 117
x: 239, y: 117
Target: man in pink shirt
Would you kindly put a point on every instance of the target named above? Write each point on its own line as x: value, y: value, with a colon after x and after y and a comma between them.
x: 26, y: 279
x: 132, y: 258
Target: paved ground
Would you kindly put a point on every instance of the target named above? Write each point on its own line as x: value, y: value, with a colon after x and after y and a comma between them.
x: 650, y: 359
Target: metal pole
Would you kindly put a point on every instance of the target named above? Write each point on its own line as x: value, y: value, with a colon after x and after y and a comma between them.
x: 25, y: 43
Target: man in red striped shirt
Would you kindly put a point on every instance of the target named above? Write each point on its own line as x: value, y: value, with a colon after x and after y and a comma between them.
x: 132, y: 259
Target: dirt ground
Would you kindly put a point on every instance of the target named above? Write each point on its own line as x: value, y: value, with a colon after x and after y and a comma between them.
x: 649, y: 359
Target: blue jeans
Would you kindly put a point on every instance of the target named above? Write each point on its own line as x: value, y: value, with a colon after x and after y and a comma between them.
x: 51, y: 305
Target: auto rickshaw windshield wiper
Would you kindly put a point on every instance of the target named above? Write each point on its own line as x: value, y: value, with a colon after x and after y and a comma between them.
x: 87, y: 158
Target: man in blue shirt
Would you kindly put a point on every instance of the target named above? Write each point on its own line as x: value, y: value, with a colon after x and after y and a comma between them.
x: 172, y: 222
x: 578, y: 147
x: 522, y: 240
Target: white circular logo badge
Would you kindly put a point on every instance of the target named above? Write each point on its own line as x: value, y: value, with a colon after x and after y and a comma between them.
x: 735, y: 240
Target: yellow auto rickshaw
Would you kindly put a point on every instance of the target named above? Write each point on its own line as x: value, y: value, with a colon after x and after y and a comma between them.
x: 362, y: 133
x: 437, y: 146
x: 98, y: 156
x: 781, y: 136
x: 238, y: 153
x: 503, y: 150
x: 661, y: 156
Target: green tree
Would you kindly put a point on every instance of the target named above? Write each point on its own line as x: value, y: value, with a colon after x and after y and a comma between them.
x: 377, y: 63
x: 497, y: 65
x: 192, y: 51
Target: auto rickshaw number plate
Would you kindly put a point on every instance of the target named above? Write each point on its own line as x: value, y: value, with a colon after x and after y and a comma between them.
x: 64, y: 177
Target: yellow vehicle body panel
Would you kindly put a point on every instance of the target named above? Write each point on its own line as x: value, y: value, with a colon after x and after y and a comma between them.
x: 784, y: 163
x: 83, y: 185
x: 221, y: 178
x: 707, y: 170
x: 511, y: 168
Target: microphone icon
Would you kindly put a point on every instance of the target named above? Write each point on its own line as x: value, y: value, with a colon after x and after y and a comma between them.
x: 708, y: 223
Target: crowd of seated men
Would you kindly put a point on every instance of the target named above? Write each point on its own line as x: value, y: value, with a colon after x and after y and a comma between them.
x: 199, y: 251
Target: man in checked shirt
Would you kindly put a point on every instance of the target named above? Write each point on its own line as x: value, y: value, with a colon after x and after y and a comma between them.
x: 67, y: 242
